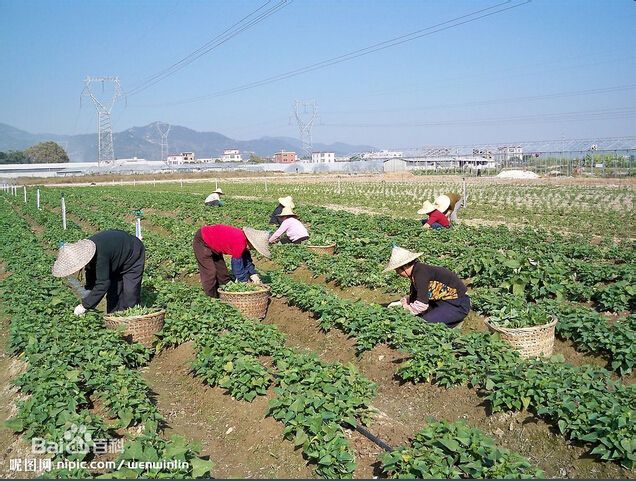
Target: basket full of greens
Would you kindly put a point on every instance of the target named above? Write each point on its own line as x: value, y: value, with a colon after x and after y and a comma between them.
x: 250, y: 299
x: 138, y: 324
x: 529, y: 329
x: 321, y: 244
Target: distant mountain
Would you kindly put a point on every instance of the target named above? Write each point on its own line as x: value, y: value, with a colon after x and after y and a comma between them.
x: 145, y: 142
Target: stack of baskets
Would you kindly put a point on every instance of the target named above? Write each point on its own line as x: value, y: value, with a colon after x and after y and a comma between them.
x: 252, y: 304
x: 326, y: 249
x: 141, y: 329
x: 532, y: 341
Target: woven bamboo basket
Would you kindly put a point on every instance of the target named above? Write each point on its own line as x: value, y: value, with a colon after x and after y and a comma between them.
x: 251, y: 304
x: 328, y: 249
x: 532, y: 341
x: 141, y: 329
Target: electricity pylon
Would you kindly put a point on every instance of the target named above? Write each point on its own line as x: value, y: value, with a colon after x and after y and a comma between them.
x: 164, y: 129
x: 306, y: 113
x: 105, y: 151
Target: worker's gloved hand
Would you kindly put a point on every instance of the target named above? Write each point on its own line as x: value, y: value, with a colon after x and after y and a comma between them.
x: 79, y: 310
x: 395, y: 304
x: 255, y: 279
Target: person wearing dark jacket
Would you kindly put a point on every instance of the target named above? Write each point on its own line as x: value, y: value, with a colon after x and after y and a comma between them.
x: 437, y: 294
x: 114, y: 263
x: 282, y: 202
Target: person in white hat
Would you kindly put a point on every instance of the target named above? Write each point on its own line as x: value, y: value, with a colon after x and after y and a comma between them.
x: 114, y: 265
x: 214, y: 199
x: 211, y: 242
x: 291, y: 230
x: 437, y: 294
x: 282, y: 203
x: 435, y: 218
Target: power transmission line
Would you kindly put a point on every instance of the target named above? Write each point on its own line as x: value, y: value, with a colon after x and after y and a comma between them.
x: 618, y: 88
x: 217, y: 41
x: 455, y: 22
x: 555, y: 117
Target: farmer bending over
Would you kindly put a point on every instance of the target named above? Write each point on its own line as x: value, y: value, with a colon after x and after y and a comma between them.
x: 437, y: 294
x: 291, y: 231
x: 214, y: 199
x: 114, y: 262
x: 212, y: 241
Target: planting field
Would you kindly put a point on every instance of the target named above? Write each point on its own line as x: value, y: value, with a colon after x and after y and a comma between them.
x: 291, y: 396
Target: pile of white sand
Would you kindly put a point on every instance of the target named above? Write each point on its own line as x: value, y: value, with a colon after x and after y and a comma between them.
x: 517, y: 174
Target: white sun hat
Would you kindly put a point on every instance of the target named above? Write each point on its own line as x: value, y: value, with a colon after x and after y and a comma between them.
x: 287, y: 211
x: 72, y: 257
x: 218, y: 191
x: 259, y: 239
x: 443, y: 202
x: 427, y: 208
x: 287, y: 201
x: 400, y: 257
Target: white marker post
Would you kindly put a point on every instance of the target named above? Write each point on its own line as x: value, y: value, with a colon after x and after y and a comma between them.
x: 154, y: 182
x: 37, y: 199
x: 464, y: 191
x: 138, y: 228
x: 24, y: 188
x: 134, y: 183
x: 63, y: 213
x: 216, y: 182
x: 181, y: 182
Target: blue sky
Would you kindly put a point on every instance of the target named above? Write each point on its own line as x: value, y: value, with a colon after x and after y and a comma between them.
x: 543, y: 70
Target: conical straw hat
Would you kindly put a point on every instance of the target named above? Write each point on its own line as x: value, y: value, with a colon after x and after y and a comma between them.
x: 287, y: 202
x: 443, y: 203
x: 427, y: 208
x: 72, y: 257
x: 400, y: 257
x: 218, y: 191
x: 259, y: 240
x: 287, y: 211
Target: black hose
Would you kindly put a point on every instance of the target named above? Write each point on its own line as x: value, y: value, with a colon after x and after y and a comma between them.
x: 373, y: 438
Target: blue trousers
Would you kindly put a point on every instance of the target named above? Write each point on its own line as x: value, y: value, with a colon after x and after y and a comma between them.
x: 434, y: 225
x: 450, y: 313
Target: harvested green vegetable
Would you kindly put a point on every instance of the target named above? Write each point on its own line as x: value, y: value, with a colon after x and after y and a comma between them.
x: 237, y: 286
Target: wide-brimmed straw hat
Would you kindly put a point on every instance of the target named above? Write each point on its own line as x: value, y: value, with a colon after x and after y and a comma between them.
x: 72, y: 257
x: 287, y: 212
x: 427, y: 208
x: 259, y: 239
x: 218, y: 191
x: 443, y: 202
x: 400, y: 257
x: 287, y: 202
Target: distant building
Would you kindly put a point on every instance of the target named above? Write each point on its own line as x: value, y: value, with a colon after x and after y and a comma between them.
x: 506, y: 154
x: 284, y: 157
x: 323, y: 157
x: 382, y: 154
x: 182, y: 158
x: 231, y: 155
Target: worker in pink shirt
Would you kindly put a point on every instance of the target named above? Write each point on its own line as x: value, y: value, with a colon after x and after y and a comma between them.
x: 291, y: 230
x: 211, y: 242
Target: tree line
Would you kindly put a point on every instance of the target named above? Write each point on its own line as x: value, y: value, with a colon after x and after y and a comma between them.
x: 42, y: 153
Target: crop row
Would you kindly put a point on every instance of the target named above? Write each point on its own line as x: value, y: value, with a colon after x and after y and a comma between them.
x: 73, y: 363
x: 583, y: 402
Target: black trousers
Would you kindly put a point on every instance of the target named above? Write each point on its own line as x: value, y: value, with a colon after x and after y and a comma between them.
x: 286, y: 240
x: 125, y: 285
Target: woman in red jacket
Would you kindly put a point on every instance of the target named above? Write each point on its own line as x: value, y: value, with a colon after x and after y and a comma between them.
x: 435, y: 219
x: 211, y: 242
